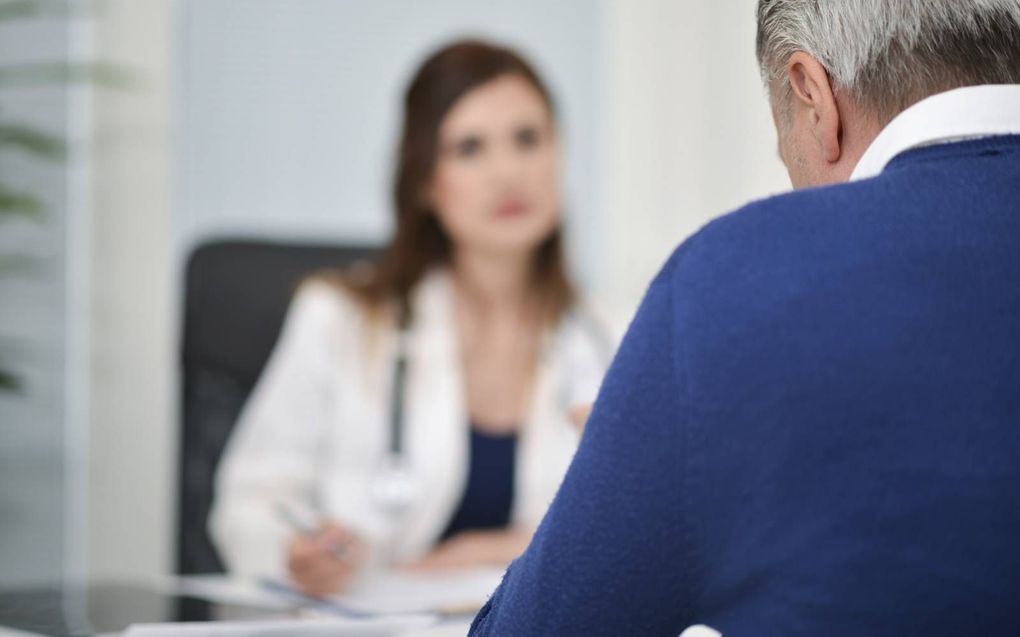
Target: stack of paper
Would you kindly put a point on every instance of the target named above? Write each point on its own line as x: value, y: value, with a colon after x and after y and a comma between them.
x: 448, y: 593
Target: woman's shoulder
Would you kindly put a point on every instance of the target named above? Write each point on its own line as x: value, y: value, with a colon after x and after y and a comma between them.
x: 323, y: 300
x: 592, y: 320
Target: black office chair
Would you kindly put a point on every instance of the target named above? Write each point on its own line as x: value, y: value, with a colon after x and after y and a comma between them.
x: 236, y: 296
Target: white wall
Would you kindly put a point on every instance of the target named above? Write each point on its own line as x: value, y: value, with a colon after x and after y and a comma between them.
x: 690, y: 133
x: 132, y: 437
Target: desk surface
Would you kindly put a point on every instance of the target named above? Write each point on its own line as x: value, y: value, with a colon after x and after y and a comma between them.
x: 385, y: 604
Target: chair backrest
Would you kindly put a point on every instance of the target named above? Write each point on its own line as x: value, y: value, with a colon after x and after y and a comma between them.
x: 236, y: 297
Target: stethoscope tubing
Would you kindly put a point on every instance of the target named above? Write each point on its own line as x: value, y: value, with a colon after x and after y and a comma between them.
x: 597, y: 332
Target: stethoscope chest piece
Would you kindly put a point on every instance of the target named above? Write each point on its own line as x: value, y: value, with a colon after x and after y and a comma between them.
x: 394, y: 486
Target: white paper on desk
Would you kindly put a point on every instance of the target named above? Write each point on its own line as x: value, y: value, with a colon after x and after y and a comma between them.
x: 380, y: 627
x: 386, y: 592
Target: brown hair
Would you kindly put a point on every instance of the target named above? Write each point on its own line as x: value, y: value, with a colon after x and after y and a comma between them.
x: 420, y: 242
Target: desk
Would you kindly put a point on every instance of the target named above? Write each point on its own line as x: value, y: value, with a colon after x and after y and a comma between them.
x: 385, y: 604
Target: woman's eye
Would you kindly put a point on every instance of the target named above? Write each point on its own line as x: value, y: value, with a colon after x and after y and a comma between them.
x: 527, y: 138
x: 468, y: 147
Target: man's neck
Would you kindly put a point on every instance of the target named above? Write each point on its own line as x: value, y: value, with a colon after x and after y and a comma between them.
x: 858, y: 131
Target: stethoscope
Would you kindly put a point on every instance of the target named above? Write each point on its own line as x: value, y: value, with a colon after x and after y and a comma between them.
x: 394, y: 485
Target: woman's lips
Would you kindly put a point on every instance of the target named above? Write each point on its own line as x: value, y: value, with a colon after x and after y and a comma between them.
x: 512, y: 208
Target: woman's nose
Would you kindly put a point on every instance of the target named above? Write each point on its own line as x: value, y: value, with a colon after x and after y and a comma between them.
x: 508, y: 164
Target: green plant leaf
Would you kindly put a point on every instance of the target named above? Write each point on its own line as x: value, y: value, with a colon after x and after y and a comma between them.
x: 19, y: 9
x: 20, y: 264
x: 43, y: 73
x: 16, y: 204
x: 9, y: 382
x: 32, y: 141
x: 14, y: 9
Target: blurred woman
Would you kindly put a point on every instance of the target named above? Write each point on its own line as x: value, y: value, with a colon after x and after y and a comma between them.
x: 417, y: 411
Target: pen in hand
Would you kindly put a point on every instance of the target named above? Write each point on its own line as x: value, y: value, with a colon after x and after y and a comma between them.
x: 339, y: 550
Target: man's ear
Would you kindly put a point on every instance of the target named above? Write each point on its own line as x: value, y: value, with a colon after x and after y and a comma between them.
x: 814, y: 98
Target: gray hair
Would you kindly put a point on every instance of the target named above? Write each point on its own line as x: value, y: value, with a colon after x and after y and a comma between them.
x: 888, y: 54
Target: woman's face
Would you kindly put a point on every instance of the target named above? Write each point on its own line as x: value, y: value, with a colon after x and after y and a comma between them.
x: 495, y: 188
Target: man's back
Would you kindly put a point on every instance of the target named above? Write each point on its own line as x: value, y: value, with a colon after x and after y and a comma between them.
x: 812, y: 427
x: 854, y: 420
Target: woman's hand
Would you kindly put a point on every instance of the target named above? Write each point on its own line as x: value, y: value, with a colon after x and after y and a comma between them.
x: 579, y: 416
x: 325, y: 562
x: 475, y: 548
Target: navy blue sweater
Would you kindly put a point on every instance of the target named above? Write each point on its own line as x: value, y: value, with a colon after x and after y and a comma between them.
x: 812, y: 426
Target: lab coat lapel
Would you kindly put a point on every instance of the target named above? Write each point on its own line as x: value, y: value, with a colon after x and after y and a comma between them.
x: 436, y: 418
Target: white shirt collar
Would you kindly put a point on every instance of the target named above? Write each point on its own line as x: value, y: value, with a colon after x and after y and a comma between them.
x: 963, y: 113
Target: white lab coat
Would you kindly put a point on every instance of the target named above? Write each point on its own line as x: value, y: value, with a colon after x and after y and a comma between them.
x: 316, y: 427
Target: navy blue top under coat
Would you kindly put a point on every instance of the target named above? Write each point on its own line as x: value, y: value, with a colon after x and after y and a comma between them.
x: 489, y: 492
